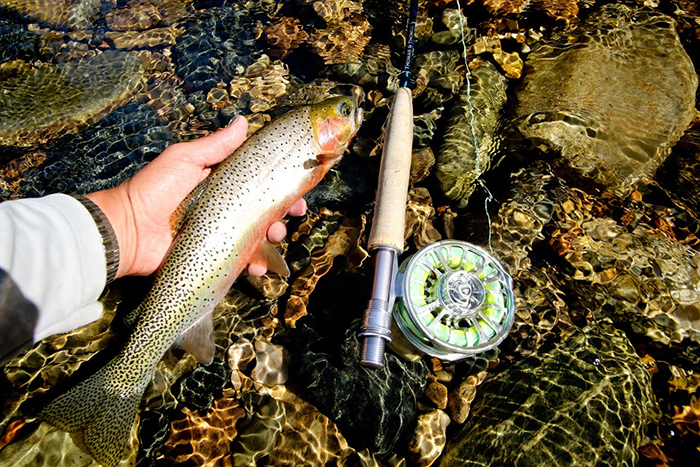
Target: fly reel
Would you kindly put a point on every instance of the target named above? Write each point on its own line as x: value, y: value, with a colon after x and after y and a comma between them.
x: 454, y: 300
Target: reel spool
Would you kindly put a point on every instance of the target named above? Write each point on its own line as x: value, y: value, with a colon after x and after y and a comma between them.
x: 454, y: 300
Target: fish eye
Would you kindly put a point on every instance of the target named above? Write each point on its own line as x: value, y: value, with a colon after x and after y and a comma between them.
x: 345, y: 109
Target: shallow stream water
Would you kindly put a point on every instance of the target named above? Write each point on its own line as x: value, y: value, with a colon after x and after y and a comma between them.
x: 562, y: 137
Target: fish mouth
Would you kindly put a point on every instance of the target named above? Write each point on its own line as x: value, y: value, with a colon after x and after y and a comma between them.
x: 359, y: 115
x: 353, y: 91
x: 357, y: 93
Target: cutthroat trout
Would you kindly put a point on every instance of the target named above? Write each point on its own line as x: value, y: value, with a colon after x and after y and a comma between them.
x: 224, y: 231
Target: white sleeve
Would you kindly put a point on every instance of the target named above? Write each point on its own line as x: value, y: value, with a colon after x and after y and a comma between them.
x: 53, y: 251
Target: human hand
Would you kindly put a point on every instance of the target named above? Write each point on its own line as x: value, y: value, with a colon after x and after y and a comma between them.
x: 140, y: 208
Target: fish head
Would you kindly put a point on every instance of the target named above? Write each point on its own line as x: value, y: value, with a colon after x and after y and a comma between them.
x: 335, y: 122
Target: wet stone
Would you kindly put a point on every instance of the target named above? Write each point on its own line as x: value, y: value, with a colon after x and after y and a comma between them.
x: 420, y: 214
x: 522, y: 216
x: 16, y: 42
x: 259, y: 437
x: 129, y: 40
x: 199, y: 388
x: 101, y: 157
x: 634, y: 274
x: 154, y: 429
x: 203, y: 437
x: 468, y: 146
x: 460, y: 398
x: 272, y: 363
x: 260, y: 86
x: 109, y: 78
x: 346, y: 36
x: 437, y: 393
x: 371, y: 69
x: 285, y: 35
x: 372, y: 407
x: 587, y: 401
x: 679, y: 174
x: 58, y: 13
x: 48, y: 446
x: 338, y: 244
x: 510, y: 62
x: 453, y: 34
x: 308, y: 437
x: 217, y: 44
x: 428, y: 439
x: 440, y: 67
x: 612, y: 97
x: 422, y: 162
x: 424, y: 127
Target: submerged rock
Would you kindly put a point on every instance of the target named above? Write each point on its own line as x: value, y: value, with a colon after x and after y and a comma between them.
x: 285, y: 35
x: 440, y: 69
x: 200, y: 388
x: 50, y: 447
x: 586, y: 402
x: 420, y: 215
x: 522, y: 216
x: 372, y: 407
x: 102, y: 156
x: 629, y: 272
x: 259, y: 438
x: 347, y: 34
x: 308, y: 437
x: 613, y: 96
x: 428, y: 439
x: 218, y: 44
x: 333, y: 240
x: 39, y: 104
x: 72, y: 14
x: 203, y: 437
x: 258, y: 89
x: 473, y: 119
x: 16, y: 42
x: 681, y: 172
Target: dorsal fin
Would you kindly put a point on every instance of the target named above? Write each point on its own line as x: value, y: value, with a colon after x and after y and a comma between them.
x: 184, y: 209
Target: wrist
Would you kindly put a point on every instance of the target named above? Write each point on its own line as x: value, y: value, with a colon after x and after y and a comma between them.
x: 116, y: 206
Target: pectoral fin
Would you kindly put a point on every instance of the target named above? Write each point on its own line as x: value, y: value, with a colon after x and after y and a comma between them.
x: 199, y: 339
x: 183, y: 211
x: 271, y: 259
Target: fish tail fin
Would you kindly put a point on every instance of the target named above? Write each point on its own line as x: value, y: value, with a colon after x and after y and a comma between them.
x: 97, y: 415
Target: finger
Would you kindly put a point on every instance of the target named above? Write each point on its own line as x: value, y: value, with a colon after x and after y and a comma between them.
x: 214, y: 148
x: 204, y: 174
x: 256, y: 270
x: 276, y: 232
x: 298, y: 208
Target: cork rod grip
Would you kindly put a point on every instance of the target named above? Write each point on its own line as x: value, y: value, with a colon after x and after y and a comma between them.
x: 390, y: 210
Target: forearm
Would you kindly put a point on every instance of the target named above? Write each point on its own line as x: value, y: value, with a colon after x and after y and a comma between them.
x: 54, y: 253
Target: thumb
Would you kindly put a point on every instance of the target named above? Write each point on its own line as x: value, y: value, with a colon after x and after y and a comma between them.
x: 215, y: 147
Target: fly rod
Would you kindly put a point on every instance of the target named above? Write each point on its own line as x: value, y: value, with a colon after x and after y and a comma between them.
x: 386, y: 238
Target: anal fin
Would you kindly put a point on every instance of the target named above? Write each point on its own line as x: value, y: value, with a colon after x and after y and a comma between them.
x: 198, y: 340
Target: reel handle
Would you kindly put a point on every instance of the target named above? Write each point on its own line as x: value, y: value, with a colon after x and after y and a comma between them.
x: 389, y: 218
